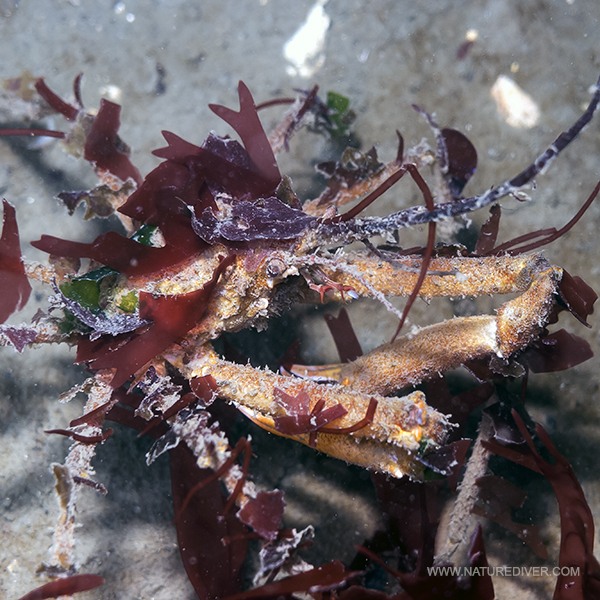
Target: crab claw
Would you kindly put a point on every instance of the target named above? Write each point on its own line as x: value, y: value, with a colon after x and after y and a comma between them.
x: 388, y: 435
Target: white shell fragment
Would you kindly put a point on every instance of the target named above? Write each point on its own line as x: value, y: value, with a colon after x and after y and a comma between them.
x: 515, y: 106
x: 305, y: 50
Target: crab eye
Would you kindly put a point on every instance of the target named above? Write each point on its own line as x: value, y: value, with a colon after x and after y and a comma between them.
x: 275, y: 268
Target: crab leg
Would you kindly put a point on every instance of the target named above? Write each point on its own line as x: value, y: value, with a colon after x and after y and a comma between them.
x: 443, y: 346
x: 449, y: 277
x: 399, y: 428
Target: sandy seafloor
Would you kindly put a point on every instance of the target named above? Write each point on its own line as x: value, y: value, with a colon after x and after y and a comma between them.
x: 165, y: 61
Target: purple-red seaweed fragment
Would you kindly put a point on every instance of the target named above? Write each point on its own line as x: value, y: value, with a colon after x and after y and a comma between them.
x: 13, y: 280
x: 72, y: 584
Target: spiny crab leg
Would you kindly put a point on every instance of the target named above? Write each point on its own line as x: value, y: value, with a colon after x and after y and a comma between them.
x: 443, y: 346
x: 397, y: 430
x: 448, y: 277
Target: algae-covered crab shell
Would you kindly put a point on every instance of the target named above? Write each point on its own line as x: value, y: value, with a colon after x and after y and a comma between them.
x: 398, y: 429
x: 392, y: 439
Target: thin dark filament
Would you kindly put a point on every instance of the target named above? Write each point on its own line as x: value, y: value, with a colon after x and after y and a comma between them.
x: 77, y: 89
x: 55, y: 101
x: 92, y: 415
x: 82, y: 439
x: 370, y: 198
x: 275, y: 102
x: 428, y: 197
x: 552, y: 234
x: 366, y: 420
x: 318, y: 407
x: 526, y: 237
x: 24, y: 131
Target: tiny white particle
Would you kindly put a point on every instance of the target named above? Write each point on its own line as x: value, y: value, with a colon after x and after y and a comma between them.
x: 111, y: 92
